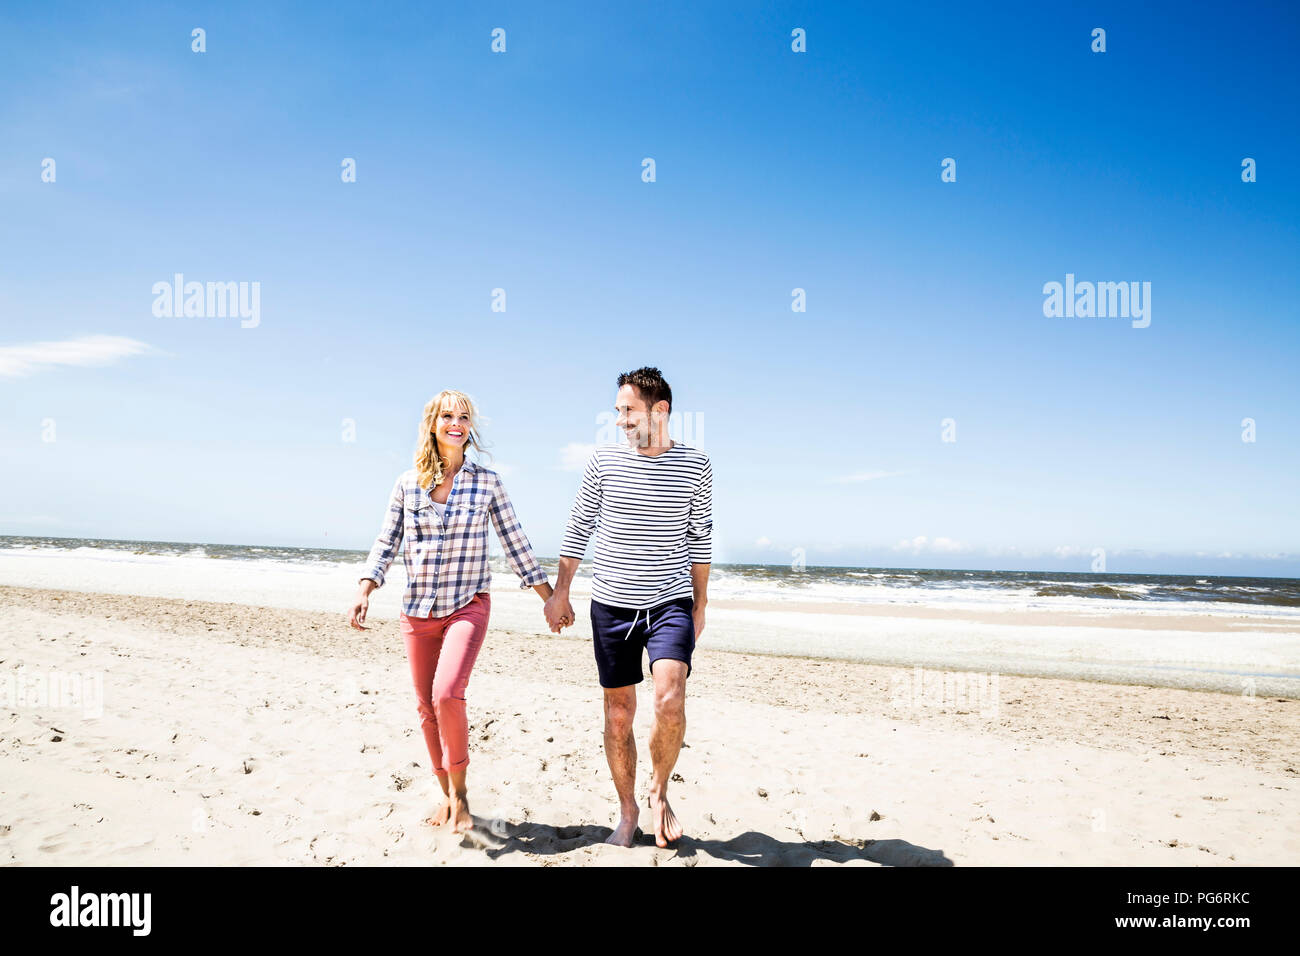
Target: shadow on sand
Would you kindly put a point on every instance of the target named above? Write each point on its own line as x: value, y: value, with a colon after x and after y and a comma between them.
x: 497, y: 838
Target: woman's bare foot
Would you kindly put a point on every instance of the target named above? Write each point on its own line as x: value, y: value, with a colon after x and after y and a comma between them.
x: 442, y: 814
x: 460, y: 815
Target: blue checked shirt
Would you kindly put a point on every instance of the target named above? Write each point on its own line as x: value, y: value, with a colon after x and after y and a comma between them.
x: 447, y: 557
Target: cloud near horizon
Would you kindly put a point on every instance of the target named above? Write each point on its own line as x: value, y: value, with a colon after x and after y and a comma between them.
x: 921, y: 544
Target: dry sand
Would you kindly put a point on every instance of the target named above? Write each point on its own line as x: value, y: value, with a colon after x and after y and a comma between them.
x: 233, y: 734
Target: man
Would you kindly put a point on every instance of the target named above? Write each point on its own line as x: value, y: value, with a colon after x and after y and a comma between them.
x: 650, y: 504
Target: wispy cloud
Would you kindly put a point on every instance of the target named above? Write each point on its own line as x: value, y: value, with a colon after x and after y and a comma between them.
x: 866, y: 476
x: 922, y: 544
x: 17, y: 361
x: 574, y: 455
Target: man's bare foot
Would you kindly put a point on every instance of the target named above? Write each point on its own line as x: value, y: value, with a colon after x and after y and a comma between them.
x: 667, y: 829
x: 625, y: 833
x: 442, y: 814
x: 460, y: 815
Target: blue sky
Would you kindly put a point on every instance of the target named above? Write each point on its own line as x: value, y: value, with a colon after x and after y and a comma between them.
x: 775, y: 170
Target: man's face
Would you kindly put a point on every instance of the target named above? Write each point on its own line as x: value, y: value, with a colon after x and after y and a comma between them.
x: 635, y: 417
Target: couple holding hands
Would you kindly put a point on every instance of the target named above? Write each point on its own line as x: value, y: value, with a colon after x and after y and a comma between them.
x: 649, y: 504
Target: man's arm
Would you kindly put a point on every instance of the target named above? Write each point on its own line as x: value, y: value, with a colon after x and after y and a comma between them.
x: 583, y: 514
x: 699, y: 542
x: 700, y: 585
x: 582, y: 523
x: 564, y: 577
x: 558, y: 609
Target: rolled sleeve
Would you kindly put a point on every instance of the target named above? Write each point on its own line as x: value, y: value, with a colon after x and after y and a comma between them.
x: 519, y: 553
x: 699, y: 524
x: 389, y: 539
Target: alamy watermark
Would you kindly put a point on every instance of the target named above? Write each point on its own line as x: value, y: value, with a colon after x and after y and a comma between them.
x: 76, y: 908
x: 41, y: 689
x: 1101, y: 300
x: 683, y: 426
x: 210, y: 300
x: 957, y: 690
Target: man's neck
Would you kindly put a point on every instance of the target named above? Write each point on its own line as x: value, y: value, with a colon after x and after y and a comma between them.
x: 654, y: 451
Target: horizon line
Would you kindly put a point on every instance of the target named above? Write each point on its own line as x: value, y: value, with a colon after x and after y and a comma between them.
x: 785, y: 565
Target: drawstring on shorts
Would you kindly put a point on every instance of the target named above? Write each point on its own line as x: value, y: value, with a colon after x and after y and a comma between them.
x: 633, y: 625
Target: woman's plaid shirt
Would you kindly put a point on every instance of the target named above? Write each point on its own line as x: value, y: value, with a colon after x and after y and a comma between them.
x: 447, y: 558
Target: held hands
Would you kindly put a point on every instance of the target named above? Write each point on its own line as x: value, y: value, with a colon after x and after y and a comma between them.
x: 559, y: 612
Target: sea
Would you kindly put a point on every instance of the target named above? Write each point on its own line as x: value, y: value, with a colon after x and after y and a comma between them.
x: 1237, y: 635
x: 854, y: 585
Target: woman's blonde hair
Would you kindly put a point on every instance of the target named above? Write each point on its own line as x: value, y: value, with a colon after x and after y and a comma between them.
x: 428, y: 460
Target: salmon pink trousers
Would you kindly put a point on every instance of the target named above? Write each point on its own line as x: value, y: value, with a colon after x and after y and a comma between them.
x: 442, y: 651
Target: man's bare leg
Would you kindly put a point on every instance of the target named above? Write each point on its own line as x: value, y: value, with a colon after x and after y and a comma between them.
x: 666, y: 743
x: 620, y: 751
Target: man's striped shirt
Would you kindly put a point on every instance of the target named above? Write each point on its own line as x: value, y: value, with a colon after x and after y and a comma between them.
x: 652, y: 517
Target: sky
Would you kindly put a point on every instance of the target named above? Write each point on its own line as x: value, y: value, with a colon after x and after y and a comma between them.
x: 774, y: 170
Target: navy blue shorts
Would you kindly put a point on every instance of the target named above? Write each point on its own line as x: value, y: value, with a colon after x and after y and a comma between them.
x: 619, y: 634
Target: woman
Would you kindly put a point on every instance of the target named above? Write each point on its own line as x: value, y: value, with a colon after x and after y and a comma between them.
x: 439, y: 513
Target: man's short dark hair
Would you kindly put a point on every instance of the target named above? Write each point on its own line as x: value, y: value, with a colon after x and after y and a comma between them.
x: 650, y: 385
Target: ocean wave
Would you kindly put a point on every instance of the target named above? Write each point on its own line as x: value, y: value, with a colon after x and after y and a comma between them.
x: 878, y: 586
x: 1087, y: 591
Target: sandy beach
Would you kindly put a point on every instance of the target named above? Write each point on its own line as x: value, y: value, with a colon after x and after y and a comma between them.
x: 235, y: 734
x: 928, y: 372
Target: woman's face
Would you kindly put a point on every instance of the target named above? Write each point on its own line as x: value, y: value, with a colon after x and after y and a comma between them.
x: 451, y: 427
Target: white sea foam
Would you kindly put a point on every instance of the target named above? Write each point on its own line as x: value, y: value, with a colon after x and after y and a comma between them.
x: 1246, y: 648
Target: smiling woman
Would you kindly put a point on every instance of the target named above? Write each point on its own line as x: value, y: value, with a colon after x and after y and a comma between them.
x: 450, y: 418
x: 438, y: 514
